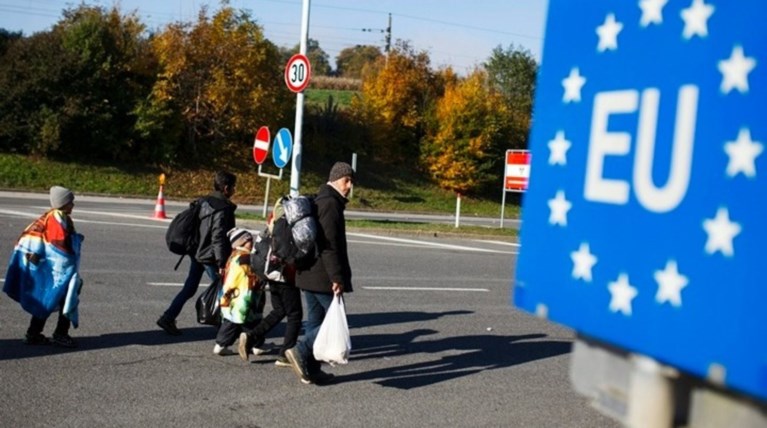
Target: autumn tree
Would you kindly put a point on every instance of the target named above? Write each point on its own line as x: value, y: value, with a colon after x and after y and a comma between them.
x: 394, y: 101
x: 220, y: 78
x: 351, y: 62
x: 512, y: 72
x: 471, y: 124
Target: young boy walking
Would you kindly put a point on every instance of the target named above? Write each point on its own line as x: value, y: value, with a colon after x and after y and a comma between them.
x: 242, y: 302
x: 43, y: 271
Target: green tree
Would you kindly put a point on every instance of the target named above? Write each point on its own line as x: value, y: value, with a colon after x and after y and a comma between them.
x: 471, y: 125
x: 512, y: 72
x: 69, y: 92
x: 319, y: 60
x: 351, y: 62
x: 221, y: 79
x: 6, y: 38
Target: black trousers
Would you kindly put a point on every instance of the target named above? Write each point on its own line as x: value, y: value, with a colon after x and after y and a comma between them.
x: 228, y: 332
x: 286, y: 302
x: 36, y: 325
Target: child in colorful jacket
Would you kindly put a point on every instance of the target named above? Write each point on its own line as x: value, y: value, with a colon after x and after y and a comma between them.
x: 242, y: 302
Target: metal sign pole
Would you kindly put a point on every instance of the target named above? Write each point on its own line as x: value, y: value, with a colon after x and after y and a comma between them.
x: 268, y: 185
x: 295, y: 171
x: 266, y: 195
x: 503, y: 201
x: 354, y: 167
x: 457, y: 210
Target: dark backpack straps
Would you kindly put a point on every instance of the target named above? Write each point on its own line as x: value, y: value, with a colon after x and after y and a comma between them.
x: 179, y: 262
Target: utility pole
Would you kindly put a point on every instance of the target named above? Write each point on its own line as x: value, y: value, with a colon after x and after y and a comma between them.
x: 388, y: 36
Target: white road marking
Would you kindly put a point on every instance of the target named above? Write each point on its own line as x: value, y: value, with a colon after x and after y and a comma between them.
x: 429, y: 244
x: 165, y: 284
x: 81, y: 220
x: 510, y: 244
x: 123, y: 215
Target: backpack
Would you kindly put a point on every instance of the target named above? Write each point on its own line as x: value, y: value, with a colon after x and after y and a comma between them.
x: 288, y: 241
x: 183, y: 234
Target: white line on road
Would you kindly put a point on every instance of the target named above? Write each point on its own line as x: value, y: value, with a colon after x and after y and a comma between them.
x: 80, y: 220
x: 123, y: 215
x: 430, y: 244
x: 165, y: 284
x: 510, y: 244
x: 426, y: 289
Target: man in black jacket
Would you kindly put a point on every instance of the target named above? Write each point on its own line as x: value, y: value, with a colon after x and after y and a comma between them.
x: 328, y: 275
x: 216, y: 219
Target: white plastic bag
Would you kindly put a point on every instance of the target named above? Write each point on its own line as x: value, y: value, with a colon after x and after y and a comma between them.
x: 333, y: 342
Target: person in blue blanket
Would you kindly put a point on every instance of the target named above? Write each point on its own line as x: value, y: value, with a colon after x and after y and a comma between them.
x: 43, y: 271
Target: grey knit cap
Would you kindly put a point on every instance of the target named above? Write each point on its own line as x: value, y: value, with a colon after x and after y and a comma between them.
x: 60, y: 197
x: 340, y: 170
x: 236, y: 235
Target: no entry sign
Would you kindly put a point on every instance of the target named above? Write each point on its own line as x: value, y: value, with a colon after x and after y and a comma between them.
x: 261, y: 145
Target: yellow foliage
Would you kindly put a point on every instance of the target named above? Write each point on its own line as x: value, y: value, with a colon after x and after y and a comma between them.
x: 470, y: 117
x: 222, y: 73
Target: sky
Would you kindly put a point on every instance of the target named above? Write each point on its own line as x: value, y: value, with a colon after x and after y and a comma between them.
x: 458, y: 33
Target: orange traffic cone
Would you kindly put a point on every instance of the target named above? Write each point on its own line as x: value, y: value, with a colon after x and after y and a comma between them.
x: 159, y: 207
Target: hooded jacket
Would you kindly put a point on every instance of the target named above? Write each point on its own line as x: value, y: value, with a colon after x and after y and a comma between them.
x: 216, y: 218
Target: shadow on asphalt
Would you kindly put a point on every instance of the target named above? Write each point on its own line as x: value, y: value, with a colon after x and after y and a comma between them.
x: 475, y: 353
x: 384, y: 318
x: 479, y: 353
x: 11, y: 349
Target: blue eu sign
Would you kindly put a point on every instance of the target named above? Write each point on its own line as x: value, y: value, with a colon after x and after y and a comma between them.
x: 646, y: 217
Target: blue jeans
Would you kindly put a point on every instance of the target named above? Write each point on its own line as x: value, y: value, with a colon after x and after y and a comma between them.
x: 317, y: 305
x: 190, y: 287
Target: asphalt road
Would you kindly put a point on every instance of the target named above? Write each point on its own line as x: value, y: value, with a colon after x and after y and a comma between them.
x: 435, y: 341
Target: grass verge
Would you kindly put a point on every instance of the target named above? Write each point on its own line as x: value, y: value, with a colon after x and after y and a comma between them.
x: 387, y: 191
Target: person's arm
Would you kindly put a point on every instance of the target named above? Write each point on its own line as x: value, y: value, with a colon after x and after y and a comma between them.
x: 330, y: 220
x: 218, y: 240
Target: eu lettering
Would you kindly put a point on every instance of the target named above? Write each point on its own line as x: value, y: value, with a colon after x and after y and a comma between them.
x: 603, y: 143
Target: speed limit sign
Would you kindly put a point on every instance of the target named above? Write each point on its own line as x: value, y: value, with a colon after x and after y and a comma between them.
x: 297, y: 73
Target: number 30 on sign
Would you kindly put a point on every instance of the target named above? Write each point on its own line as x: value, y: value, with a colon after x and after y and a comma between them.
x: 297, y: 73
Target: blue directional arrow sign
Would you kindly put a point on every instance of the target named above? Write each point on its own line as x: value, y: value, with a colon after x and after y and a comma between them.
x: 283, y: 144
x: 645, y: 222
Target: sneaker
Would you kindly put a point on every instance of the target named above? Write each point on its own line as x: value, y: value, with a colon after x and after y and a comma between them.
x: 259, y: 350
x: 222, y: 350
x: 36, y: 339
x: 242, y: 346
x: 282, y: 362
x: 64, y: 340
x: 169, y: 326
x: 297, y: 364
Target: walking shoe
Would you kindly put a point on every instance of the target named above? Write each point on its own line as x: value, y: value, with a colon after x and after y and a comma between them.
x: 258, y: 346
x: 282, y: 362
x: 64, y: 340
x: 242, y: 346
x: 222, y: 350
x: 297, y: 364
x: 36, y: 339
x: 169, y: 326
